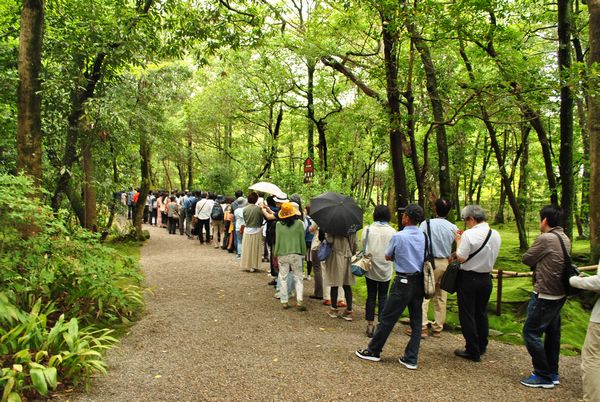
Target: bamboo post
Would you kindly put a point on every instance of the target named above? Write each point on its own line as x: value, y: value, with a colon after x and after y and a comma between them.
x: 499, y: 294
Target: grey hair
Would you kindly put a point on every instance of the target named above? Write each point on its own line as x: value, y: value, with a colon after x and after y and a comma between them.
x: 473, y: 211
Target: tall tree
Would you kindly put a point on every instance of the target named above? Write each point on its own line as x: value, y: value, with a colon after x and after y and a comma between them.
x: 594, y: 129
x: 437, y: 107
x: 29, y: 126
x: 566, y: 114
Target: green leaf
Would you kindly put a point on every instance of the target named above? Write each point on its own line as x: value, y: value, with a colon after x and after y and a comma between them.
x: 51, y: 376
x: 8, y: 388
x: 73, y: 328
x: 39, y: 381
x: 40, y: 355
x: 14, y: 397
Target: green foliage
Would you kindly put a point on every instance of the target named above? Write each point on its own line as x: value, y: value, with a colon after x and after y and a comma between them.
x: 36, y: 352
x: 52, y: 283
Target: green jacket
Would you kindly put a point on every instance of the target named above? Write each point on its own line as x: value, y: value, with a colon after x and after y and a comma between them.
x: 289, y: 239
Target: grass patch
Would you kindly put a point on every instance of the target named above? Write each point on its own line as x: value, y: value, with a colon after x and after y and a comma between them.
x: 126, y: 248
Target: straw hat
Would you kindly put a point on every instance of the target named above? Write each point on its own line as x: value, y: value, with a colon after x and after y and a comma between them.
x: 287, y: 210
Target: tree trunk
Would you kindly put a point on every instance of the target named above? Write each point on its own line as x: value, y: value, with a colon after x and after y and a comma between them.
x: 274, y: 132
x: 530, y: 114
x: 89, y: 191
x: 78, y: 97
x: 566, y: 114
x: 190, y: 164
x: 115, y: 201
x: 76, y: 202
x: 29, y: 98
x: 482, y: 175
x: 168, y: 177
x: 390, y: 50
x: 310, y: 108
x: 181, y: 171
x: 583, y: 220
x: 499, y: 218
x: 322, y: 147
x: 145, y: 188
x: 522, y: 195
x: 512, y: 200
x: 410, y: 110
x: 594, y: 132
x: 437, y: 109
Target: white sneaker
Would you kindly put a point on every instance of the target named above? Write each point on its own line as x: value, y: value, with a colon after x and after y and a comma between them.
x: 406, y: 364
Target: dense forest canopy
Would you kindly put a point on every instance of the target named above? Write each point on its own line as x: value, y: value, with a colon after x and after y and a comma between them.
x: 490, y: 102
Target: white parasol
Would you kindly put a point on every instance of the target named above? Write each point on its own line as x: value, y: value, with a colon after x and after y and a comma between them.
x: 266, y: 187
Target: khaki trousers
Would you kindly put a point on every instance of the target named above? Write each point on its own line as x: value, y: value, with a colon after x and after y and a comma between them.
x: 218, y: 228
x: 439, y: 298
x: 590, y: 363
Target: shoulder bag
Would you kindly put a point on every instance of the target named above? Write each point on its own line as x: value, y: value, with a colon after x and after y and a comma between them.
x: 428, y: 265
x: 569, y: 270
x: 324, y: 250
x: 361, y: 261
x: 450, y: 278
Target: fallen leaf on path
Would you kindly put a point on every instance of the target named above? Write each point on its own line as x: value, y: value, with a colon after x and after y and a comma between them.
x: 157, y: 376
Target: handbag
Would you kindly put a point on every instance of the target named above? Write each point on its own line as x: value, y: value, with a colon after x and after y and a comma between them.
x: 428, y: 266
x: 324, y: 250
x: 570, y: 270
x: 360, y: 263
x: 449, y: 280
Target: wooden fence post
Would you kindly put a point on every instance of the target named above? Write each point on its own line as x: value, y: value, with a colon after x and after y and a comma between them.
x: 499, y: 294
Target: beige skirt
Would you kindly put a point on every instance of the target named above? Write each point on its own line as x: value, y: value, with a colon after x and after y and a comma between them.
x: 251, y: 250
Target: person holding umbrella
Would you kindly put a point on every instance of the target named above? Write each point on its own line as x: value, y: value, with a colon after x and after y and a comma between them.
x: 339, y: 218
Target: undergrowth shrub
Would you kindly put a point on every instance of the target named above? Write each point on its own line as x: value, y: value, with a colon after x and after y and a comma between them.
x: 60, y: 291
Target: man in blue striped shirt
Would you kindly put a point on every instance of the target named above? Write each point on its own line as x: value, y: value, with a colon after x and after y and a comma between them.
x: 407, y: 250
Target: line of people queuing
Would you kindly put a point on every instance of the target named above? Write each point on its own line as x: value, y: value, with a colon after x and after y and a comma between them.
x: 278, y: 230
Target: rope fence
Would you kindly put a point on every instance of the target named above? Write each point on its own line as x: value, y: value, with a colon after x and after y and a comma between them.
x: 500, y: 274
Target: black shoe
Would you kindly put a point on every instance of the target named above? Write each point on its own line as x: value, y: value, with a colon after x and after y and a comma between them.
x: 465, y: 355
x: 272, y: 283
x: 315, y: 297
x: 366, y: 354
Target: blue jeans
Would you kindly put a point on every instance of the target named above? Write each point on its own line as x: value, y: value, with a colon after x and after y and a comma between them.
x: 238, y: 242
x: 406, y: 291
x: 543, y: 317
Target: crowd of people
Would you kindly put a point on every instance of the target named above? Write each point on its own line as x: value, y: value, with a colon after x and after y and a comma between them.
x: 260, y: 228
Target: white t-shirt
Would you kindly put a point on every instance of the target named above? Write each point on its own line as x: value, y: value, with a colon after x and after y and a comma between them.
x: 203, y: 208
x: 470, y: 242
x: 239, y: 218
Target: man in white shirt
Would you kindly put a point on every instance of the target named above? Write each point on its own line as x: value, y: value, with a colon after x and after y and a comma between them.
x: 203, y: 208
x: 476, y: 249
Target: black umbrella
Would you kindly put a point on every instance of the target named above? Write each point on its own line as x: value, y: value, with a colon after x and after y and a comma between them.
x: 336, y: 214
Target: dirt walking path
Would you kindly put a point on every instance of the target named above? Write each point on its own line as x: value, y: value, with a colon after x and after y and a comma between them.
x: 214, y: 332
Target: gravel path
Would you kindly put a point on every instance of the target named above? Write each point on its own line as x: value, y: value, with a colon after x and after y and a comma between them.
x: 214, y: 332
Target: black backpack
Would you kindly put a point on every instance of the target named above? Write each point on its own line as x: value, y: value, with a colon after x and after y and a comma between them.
x: 191, y: 209
x: 217, y: 213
